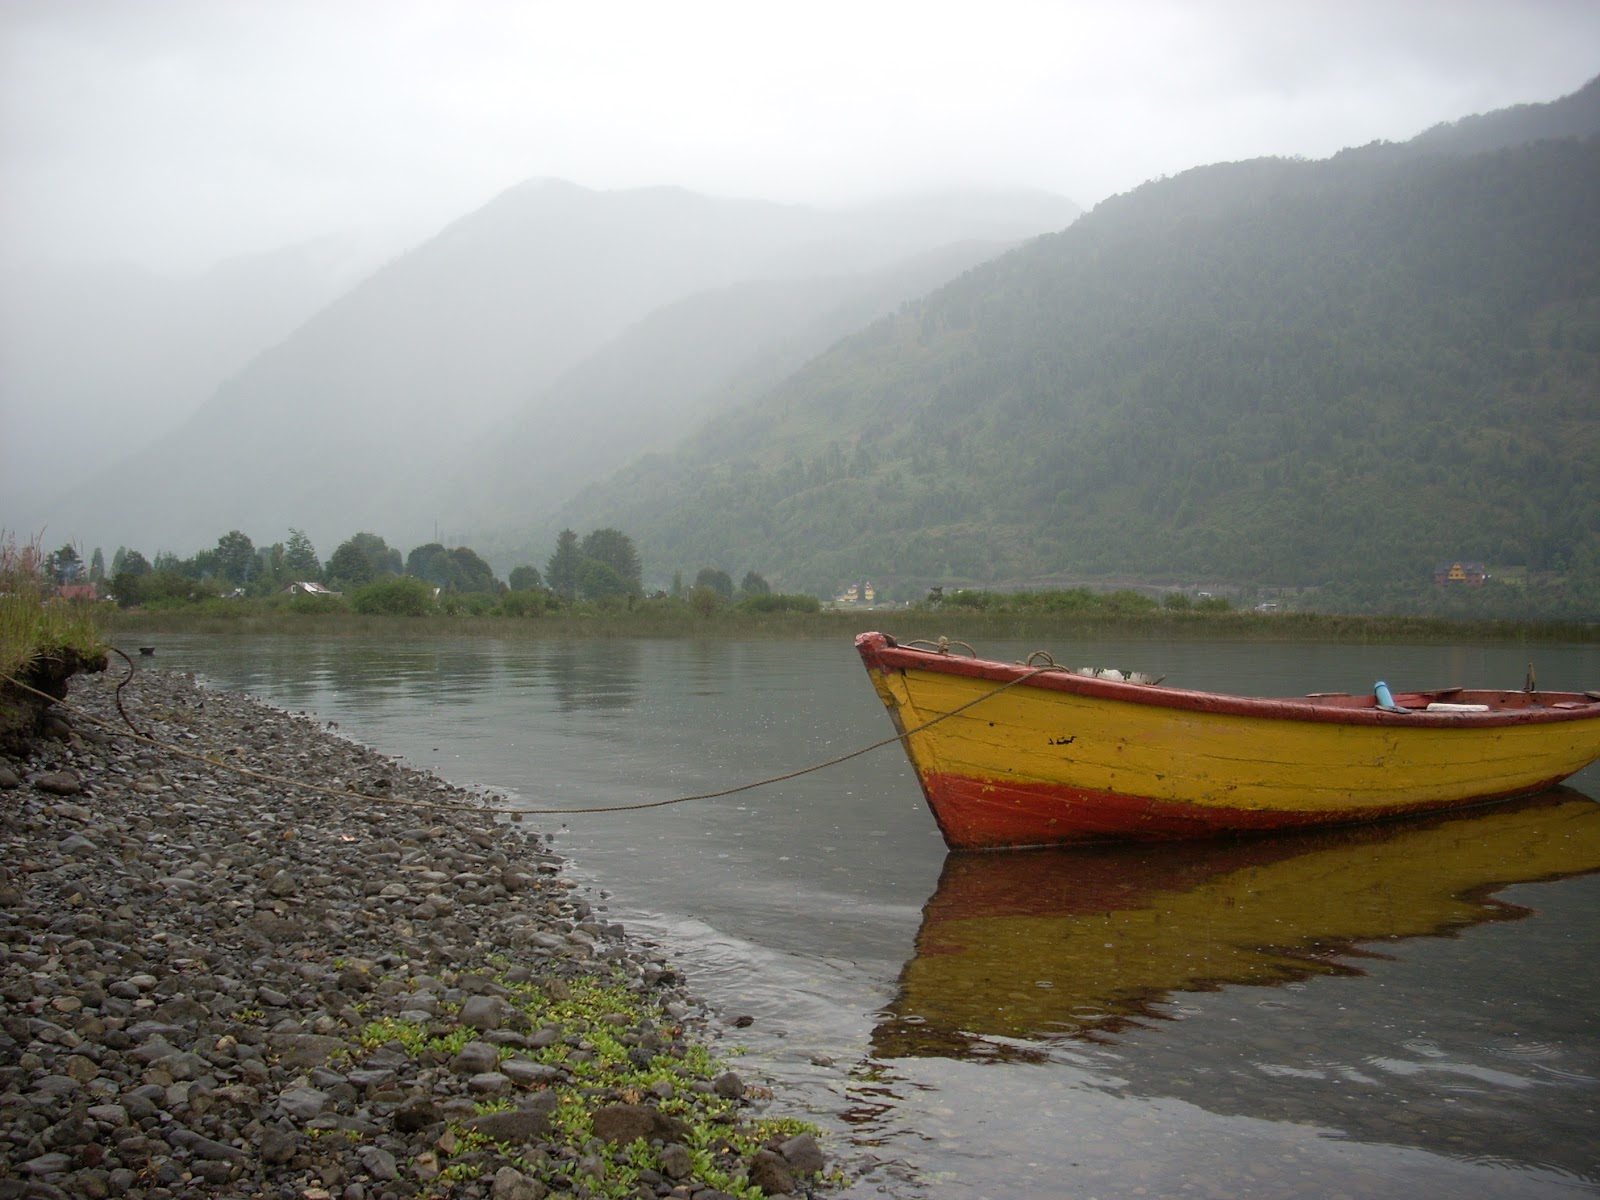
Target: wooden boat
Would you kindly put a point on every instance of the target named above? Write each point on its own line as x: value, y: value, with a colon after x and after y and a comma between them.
x: 1021, y: 949
x: 1030, y: 754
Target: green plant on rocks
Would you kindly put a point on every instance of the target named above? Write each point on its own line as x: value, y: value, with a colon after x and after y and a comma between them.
x: 415, y: 1037
x: 607, y: 1050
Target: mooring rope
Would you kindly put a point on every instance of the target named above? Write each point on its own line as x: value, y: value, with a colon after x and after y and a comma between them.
x: 137, y: 736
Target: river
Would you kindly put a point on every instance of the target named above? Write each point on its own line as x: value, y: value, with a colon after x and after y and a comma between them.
x: 1406, y: 1009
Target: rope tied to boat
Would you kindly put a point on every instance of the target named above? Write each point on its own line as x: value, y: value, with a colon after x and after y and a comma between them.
x: 133, y: 734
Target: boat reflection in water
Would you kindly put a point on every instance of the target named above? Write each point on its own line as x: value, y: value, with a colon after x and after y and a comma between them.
x: 1026, y: 946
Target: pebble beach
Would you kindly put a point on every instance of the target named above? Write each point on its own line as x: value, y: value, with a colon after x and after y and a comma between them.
x: 242, y: 956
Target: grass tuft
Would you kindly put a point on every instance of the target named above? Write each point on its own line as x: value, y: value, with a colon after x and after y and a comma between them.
x: 35, y: 625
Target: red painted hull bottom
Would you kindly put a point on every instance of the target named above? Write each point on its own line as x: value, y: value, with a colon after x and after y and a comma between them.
x: 977, y: 814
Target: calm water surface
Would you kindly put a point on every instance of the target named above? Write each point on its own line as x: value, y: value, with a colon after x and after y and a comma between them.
x: 1403, y: 1010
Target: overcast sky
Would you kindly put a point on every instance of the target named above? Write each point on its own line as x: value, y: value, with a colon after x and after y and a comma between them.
x: 176, y: 132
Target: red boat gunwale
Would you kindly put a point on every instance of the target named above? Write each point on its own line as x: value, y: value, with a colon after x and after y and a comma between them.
x: 882, y: 653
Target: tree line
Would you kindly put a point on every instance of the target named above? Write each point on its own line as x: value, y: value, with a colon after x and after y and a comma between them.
x: 603, y: 566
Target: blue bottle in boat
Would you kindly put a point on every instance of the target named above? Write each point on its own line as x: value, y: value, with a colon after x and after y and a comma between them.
x: 1381, y: 691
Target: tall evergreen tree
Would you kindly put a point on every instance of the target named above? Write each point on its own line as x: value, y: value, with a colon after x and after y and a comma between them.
x: 65, y: 563
x: 300, y: 557
x: 561, y: 572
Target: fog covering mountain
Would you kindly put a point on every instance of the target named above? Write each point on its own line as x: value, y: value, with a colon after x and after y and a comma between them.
x: 372, y: 414
x: 1278, y: 371
x: 139, y: 350
x: 659, y: 380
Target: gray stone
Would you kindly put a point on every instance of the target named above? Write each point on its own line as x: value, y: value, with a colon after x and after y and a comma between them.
x: 484, y: 1012
x: 771, y: 1173
x: 516, y: 1125
x: 417, y: 1113
x: 303, y: 1103
x: 380, y: 1164
x: 526, y: 1073
x: 676, y: 1161
x: 488, y: 1083
x: 475, y: 1058
x: 277, y: 1146
x: 204, y: 1147
x: 803, y: 1154
x: 624, y: 1123
x: 52, y: 1163
x: 511, y: 1184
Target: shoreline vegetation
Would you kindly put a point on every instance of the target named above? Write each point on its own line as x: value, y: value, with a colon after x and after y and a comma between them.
x: 44, y: 642
x: 1003, y: 619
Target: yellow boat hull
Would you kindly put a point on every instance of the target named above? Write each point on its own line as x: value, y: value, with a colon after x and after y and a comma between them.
x: 1009, y: 755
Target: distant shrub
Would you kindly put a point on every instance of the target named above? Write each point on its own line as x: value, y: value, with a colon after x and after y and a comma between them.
x: 167, y: 590
x: 532, y: 603
x: 1126, y: 600
x: 777, y: 602
x: 318, y: 606
x: 524, y: 579
x: 967, y: 598
x: 400, y: 596
x: 705, y: 600
x: 1069, y: 600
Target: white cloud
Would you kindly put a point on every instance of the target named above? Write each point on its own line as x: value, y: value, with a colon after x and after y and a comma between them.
x: 173, y: 132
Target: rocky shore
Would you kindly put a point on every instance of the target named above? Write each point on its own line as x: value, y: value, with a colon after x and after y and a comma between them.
x: 216, y: 983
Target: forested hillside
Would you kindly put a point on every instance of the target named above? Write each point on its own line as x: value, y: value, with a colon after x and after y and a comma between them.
x: 1276, y: 371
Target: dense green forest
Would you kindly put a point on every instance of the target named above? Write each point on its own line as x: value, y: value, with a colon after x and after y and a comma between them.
x: 1328, y: 374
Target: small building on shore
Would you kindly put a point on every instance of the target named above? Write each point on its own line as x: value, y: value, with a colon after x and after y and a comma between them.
x: 1459, y: 572
x: 857, y: 593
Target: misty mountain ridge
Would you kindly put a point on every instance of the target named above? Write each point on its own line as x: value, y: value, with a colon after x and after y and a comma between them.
x: 1278, y: 370
x: 1577, y: 115
x: 356, y: 418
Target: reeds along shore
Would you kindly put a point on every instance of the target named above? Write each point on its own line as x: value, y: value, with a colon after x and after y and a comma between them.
x: 217, y: 981
x: 843, y: 624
